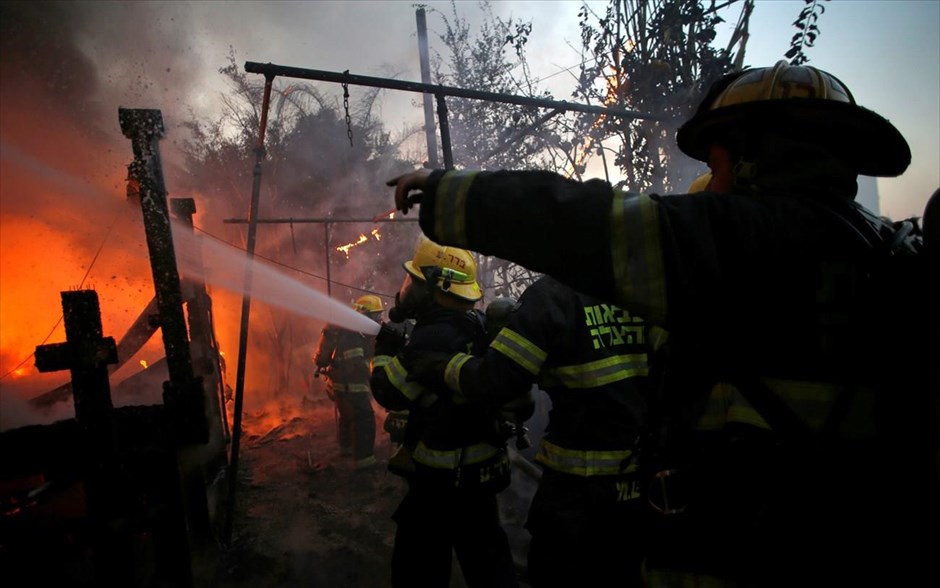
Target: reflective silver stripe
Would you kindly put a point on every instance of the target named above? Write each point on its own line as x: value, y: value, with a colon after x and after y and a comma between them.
x: 519, y: 349
x: 354, y: 352
x: 380, y: 361
x: 636, y: 250
x: 585, y: 462
x: 351, y: 387
x: 450, y: 206
x: 451, y: 459
x: 398, y: 377
x: 596, y: 373
x: 452, y: 371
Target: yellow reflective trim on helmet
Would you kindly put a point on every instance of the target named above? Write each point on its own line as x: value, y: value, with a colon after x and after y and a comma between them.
x: 519, y: 349
x: 398, y: 377
x: 596, y: 373
x: 451, y: 459
x: 452, y: 371
x: 636, y: 251
x: 580, y: 462
x: 450, y: 206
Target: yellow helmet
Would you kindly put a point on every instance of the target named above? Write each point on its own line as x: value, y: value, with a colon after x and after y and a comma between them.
x: 368, y: 303
x: 455, y: 268
x: 798, y: 101
x: 700, y: 183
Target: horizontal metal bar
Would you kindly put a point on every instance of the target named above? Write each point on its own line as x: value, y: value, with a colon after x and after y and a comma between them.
x: 245, y: 221
x: 270, y: 69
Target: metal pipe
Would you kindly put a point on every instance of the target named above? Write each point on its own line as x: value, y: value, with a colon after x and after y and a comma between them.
x: 437, y: 89
x: 326, y: 247
x: 246, y: 311
x: 282, y: 220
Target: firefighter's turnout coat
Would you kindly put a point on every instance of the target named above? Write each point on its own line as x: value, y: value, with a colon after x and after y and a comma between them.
x: 592, y: 359
x: 346, y: 355
x: 455, y: 461
x: 764, y: 293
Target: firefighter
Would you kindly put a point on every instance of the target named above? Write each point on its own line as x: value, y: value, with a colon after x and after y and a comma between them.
x: 344, y: 357
x: 453, y: 458
x: 763, y: 283
x: 591, y: 357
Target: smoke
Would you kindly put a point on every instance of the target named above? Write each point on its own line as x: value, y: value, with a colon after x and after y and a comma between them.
x: 66, y: 224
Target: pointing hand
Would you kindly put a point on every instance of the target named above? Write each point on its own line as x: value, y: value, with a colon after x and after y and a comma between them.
x: 406, y: 183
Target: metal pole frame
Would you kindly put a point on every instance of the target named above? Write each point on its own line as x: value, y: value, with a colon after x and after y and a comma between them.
x: 440, y: 92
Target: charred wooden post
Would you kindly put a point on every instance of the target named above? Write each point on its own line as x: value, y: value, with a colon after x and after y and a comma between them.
x: 207, y: 361
x: 182, y: 395
x: 136, y: 336
x: 86, y: 354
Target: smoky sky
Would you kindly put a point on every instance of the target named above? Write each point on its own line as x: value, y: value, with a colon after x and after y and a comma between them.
x: 84, y: 58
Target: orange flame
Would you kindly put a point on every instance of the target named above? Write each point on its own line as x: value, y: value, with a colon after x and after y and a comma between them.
x: 362, y: 239
x: 143, y: 362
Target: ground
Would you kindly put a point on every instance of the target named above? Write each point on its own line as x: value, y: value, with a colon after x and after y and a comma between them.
x: 305, y: 517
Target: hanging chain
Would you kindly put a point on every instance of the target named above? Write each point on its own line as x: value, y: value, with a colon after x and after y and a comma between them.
x: 346, y: 107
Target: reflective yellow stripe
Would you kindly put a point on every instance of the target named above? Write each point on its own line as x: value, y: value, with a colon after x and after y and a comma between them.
x: 354, y: 352
x: 585, y: 462
x: 398, y: 377
x: 450, y: 206
x: 657, y: 337
x: 452, y: 371
x: 380, y: 361
x: 451, y: 459
x: 682, y: 579
x: 351, y: 387
x: 520, y: 350
x: 636, y: 250
x: 596, y: 373
x: 811, y: 401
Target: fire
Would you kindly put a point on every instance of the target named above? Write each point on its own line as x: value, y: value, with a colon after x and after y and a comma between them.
x: 362, y: 239
x: 65, y: 226
x: 143, y: 362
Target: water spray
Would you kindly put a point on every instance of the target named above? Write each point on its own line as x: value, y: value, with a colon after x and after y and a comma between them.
x: 225, y: 266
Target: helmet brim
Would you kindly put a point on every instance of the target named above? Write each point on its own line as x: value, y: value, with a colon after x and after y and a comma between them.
x: 859, y: 136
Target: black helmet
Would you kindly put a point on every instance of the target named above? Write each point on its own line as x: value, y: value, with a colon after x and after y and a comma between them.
x: 800, y: 101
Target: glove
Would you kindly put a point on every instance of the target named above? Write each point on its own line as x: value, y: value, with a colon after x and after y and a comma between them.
x: 389, y: 341
x: 395, y: 424
x: 427, y: 367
